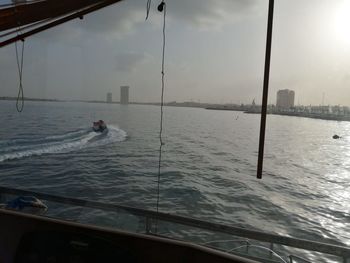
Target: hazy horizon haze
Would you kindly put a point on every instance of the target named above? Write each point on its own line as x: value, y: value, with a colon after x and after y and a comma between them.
x: 215, y: 53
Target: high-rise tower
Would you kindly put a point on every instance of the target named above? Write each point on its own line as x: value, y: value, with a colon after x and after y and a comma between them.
x: 285, y: 99
x: 109, y: 97
x: 124, y: 94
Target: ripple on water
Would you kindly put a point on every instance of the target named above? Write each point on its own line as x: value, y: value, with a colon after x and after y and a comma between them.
x: 208, y: 169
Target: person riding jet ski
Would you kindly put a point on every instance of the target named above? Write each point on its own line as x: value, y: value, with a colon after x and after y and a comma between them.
x: 99, y: 126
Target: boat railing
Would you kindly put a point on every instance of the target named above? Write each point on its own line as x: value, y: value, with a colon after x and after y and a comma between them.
x: 294, y: 258
x: 245, y: 237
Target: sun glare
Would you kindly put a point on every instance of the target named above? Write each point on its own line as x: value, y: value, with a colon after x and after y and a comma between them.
x: 342, y: 22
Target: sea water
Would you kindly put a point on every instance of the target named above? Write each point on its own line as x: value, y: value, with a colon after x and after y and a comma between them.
x: 208, y: 168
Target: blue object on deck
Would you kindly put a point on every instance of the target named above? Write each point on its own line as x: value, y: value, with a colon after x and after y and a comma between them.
x: 22, y: 202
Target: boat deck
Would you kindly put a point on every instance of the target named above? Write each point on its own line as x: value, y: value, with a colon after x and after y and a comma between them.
x: 250, y: 244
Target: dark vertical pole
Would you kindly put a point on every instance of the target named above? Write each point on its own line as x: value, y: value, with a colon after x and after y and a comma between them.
x: 265, y: 90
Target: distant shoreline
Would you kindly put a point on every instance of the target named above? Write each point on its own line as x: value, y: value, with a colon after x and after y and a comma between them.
x: 319, y: 116
x: 30, y: 99
x: 218, y: 107
x: 327, y: 117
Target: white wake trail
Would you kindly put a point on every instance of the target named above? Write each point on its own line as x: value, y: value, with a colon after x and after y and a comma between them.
x: 72, y: 141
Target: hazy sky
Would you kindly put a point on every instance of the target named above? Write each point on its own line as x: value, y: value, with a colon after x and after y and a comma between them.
x: 215, y: 53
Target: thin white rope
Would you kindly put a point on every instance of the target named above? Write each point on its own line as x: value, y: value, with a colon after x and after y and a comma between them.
x: 20, y: 95
x: 261, y: 247
x: 161, y: 143
x: 224, y: 241
x: 161, y: 8
x: 148, y: 7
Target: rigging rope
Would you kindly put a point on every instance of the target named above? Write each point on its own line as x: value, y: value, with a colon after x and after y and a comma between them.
x: 260, y: 247
x: 25, y: 28
x: 20, y: 95
x: 148, y: 7
x: 161, y: 7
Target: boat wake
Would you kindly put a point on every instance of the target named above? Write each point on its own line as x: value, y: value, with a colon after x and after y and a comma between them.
x: 71, y: 141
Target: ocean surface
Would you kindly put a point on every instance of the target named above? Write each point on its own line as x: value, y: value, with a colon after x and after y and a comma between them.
x: 208, y: 167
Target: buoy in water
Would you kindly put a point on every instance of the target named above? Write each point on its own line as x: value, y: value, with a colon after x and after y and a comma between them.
x: 336, y: 136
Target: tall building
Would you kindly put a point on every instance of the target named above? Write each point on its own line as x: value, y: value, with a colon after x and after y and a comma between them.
x: 124, y: 94
x: 109, y: 97
x: 285, y: 99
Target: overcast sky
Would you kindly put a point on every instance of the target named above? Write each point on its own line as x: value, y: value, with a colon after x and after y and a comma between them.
x: 215, y: 53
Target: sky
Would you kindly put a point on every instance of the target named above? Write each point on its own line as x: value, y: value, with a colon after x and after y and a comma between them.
x: 214, y: 53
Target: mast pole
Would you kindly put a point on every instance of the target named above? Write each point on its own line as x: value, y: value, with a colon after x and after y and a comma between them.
x: 265, y: 89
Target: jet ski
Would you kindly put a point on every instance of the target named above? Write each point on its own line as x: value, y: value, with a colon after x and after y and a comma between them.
x: 99, y: 126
